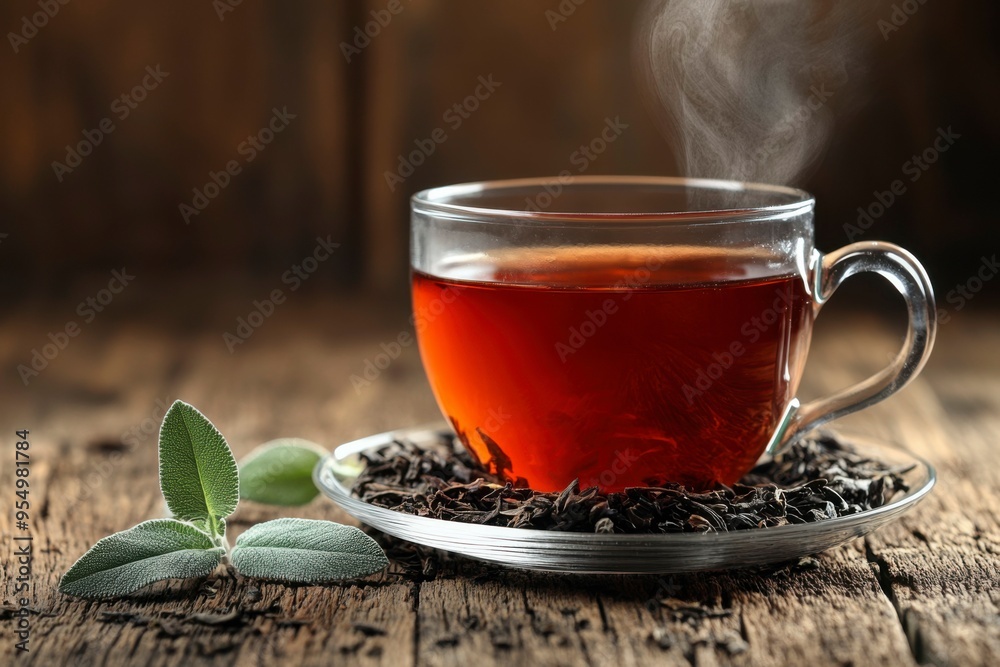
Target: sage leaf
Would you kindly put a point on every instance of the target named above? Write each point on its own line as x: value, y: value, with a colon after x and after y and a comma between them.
x: 198, y: 474
x: 132, y: 559
x: 306, y: 551
x: 279, y: 472
x: 207, y: 526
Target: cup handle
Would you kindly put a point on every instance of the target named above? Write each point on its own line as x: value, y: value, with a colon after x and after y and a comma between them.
x: 906, y: 274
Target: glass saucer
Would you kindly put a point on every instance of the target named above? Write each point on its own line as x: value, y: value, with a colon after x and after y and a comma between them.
x: 553, y: 551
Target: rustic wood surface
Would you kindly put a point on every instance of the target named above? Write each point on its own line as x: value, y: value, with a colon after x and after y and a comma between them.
x: 921, y: 591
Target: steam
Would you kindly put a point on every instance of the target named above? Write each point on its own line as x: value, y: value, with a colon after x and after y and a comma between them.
x: 744, y: 88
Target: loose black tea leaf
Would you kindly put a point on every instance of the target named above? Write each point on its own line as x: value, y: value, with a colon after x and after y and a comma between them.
x: 814, y: 480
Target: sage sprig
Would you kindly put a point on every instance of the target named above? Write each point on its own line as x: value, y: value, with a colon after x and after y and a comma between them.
x: 306, y: 550
x: 134, y: 558
x: 200, y: 482
x: 280, y: 472
x: 198, y: 474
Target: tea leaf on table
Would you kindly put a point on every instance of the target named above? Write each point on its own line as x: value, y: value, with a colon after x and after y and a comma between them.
x: 306, y: 551
x: 132, y: 559
x: 280, y: 472
x: 198, y: 474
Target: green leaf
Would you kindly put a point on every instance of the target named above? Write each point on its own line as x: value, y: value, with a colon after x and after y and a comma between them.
x: 306, y: 551
x: 198, y: 474
x: 151, y: 551
x: 207, y: 526
x: 280, y: 472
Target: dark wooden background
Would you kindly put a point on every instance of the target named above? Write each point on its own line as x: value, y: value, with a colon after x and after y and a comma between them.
x: 324, y: 174
x: 922, y: 591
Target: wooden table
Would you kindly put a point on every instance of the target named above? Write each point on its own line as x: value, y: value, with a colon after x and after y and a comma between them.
x: 923, y: 590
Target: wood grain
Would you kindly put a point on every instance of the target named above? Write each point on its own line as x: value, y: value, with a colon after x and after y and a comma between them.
x: 921, y: 591
x: 325, y: 174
